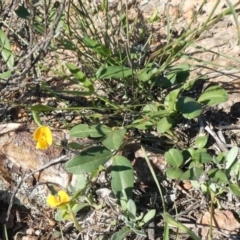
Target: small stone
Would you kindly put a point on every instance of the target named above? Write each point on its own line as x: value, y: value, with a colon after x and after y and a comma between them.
x: 51, y: 222
x: 173, y: 11
x: 38, y: 232
x: 29, y: 238
x: 30, y: 231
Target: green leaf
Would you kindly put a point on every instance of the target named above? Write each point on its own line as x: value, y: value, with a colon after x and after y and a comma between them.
x: 5, y: 49
x: 5, y: 75
x: 80, y: 76
x: 221, y: 158
x: 139, y: 217
x: 81, y: 131
x: 170, y: 220
x: 178, y: 74
x: 189, y: 84
x: 213, y: 96
x: 148, y: 74
x: 217, y: 175
x: 159, y: 114
x: 202, y: 157
x: 142, y: 124
x: 162, y: 81
x: 131, y: 208
x: 41, y: 108
x: 68, y: 45
x: 39, y: 27
x: 79, y: 206
x: 189, y: 151
x: 231, y: 157
x: 115, y: 139
x: 122, y: 198
x: 99, y: 130
x: 171, y: 100
x: 142, y: 75
x: 133, y: 228
x: 114, y: 72
x: 201, y: 141
x: 62, y: 215
x: 192, y: 174
x: 95, y: 131
x: 150, y: 108
x: 164, y: 124
x: 174, y: 173
x: 139, y: 232
x: 194, y: 164
x: 149, y: 215
x: 234, y: 170
x: 189, y: 107
x: 22, y: 12
x: 79, y: 184
x: 235, y: 189
x: 88, y: 160
x: 120, y: 235
x: 174, y: 157
x: 122, y: 177
x: 97, y: 47
x: 75, y: 146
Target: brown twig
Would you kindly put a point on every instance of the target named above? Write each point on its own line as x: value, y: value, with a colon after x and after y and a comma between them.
x: 40, y: 47
x: 221, y: 145
x: 12, y: 199
x: 60, y: 159
x: 198, y: 225
x: 228, y: 127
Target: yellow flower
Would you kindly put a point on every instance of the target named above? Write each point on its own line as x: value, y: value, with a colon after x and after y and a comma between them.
x: 54, y: 201
x: 43, y: 136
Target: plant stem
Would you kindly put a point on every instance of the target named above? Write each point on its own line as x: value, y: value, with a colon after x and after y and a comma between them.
x: 74, y: 219
x: 36, y: 118
x: 155, y: 179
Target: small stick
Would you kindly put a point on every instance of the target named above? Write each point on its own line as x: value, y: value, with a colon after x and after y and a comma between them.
x: 199, y: 225
x: 151, y: 230
x: 228, y: 127
x: 11, y: 200
x: 30, y: 190
x: 55, y: 161
x: 215, y: 136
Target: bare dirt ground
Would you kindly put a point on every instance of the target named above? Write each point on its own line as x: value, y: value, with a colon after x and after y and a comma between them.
x: 30, y: 219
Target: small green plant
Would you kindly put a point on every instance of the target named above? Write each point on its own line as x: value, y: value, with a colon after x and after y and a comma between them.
x: 216, y: 174
x: 153, y: 96
x: 7, y: 54
x: 122, y: 185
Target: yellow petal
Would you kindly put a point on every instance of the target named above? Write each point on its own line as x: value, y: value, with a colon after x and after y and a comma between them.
x: 58, y: 201
x: 43, y: 136
x: 37, y: 134
x: 52, y: 201
x: 42, y: 144
x: 64, y: 198
x: 48, y: 134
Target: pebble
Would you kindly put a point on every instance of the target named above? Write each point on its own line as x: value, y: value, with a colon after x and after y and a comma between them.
x: 30, y: 231
x: 38, y: 232
x: 29, y: 238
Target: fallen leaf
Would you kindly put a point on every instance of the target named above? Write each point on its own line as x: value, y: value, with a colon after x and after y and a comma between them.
x: 222, y: 220
x: 187, y: 185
